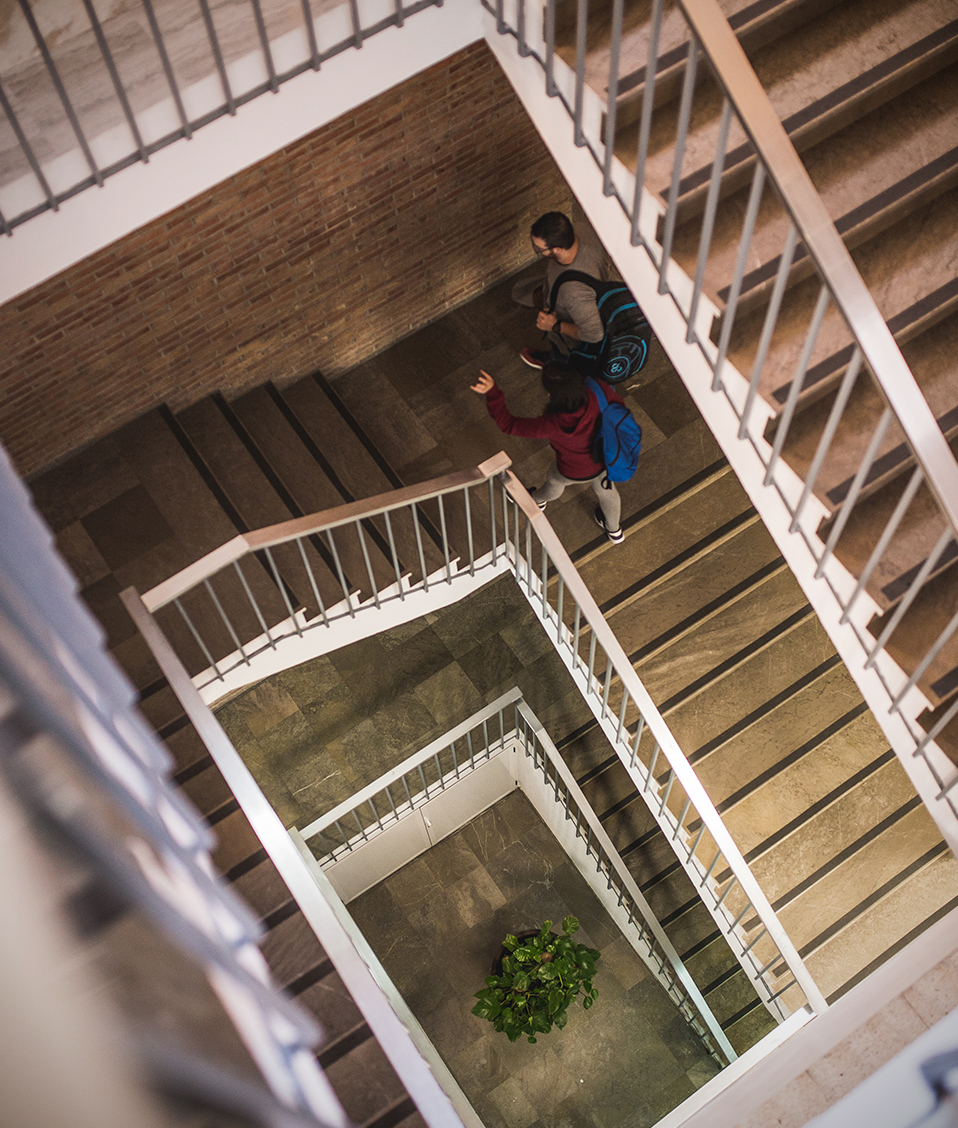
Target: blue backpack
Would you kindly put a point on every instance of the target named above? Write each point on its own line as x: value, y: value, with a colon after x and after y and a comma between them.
x: 618, y: 438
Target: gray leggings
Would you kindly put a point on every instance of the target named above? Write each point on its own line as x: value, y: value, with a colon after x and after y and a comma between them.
x: 609, y: 500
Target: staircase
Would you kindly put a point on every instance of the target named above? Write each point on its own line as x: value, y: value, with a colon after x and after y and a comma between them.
x: 866, y: 93
x: 698, y: 596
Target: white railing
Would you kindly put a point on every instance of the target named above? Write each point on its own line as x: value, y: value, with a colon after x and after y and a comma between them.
x: 444, y: 786
x: 680, y: 46
x: 522, y: 538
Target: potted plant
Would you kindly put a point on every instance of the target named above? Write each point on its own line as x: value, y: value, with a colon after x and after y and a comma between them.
x: 536, y: 979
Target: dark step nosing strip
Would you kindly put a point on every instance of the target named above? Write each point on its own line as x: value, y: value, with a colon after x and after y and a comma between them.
x: 164, y: 732
x: 946, y: 684
x: 242, y: 868
x: 822, y: 107
x: 199, y: 464
x: 894, y: 590
x: 678, y: 560
x: 848, y: 852
x: 706, y: 942
x: 898, y: 946
x: 662, y: 875
x: 740, y: 656
x: 766, y: 708
x: 184, y: 775
x: 792, y: 758
x: 685, y: 907
x: 344, y: 1045
x: 907, y: 186
x: 709, y: 610
x: 815, y: 809
x: 152, y: 688
x: 644, y: 839
x: 735, y: 968
x: 743, y: 1012
x: 230, y: 806
x: 918, y: 311
x: 310, y: 978
x: 283, y: 912
x: 599, y: 769
x: 872, y: 899
x: 394, y: 1114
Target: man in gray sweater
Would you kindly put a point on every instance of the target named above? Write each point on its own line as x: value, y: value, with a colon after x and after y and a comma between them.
x: 575, y: 317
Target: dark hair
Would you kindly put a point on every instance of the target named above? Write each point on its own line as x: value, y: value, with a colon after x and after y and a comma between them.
x: 564, y: 385
x: 555, y: 230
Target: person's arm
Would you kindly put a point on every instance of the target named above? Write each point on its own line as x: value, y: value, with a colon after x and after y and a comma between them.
x: 539, y: 428
x: 578, y: 301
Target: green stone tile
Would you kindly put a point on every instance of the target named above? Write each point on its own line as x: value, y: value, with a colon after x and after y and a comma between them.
x: 449, y: 695
x: 265, y: 706
x: 491, y: 665
x: 311, y: 681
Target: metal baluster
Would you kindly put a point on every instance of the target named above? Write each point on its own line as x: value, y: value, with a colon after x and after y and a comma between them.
x: 645, y: 120
x: 400, y: 16
x: 501, y: 25
x: 606, y: 687
x: 264, y: 44
x: 708, y: 872
x: 362, y: 829
x: 695, y: 844
x: 472, y: 554
x: 639, y: 729
x: 167, y: 67
x: 218, y: 56
x: 521, y: 43
x: 551, y: 88
x: 312, y: 581
x: 357, y: 30
x: 560, y: 593
x: 708, y: 221
x: 685, y: 110
x: 575, y: 637
x: 405, y: 783
x: 195, y: 633
x: 612, y: 95
x: 763, y: 931
x: 591, y: 670
x: 768, y: 326
x: 848, y: 505
x: 825, y: 442
x: 889, y: 531
x: 283, y: 590
x: 61, y: 90
x: 115, y: 79
x: 372, y: 807
x: 4, y: 226
x: 728, y: 889
x: 798, y: 381
x: 529, y: 554
x: 668, y: 791
x: 311, y: 34
x: 392, y: 805
x: 28, y: 151
x: 622, y: 709
x: 340, y: 573
x: 439, y: 773
x: 741, y: 916
x: 492, y: 520
x: 369, y: 568
x: 581, y: 25
x: 741, y: 261
x: 342, y: 833
x: 422, y: 558
x: 445, y: 539
x: 923, y: 665
x: 422, y: 777
x: 681, y: 823
x: 253, y: 603
x: 229, y: 626
x: 485, y: 737
x: 397, y: 567
x: 650, y: 778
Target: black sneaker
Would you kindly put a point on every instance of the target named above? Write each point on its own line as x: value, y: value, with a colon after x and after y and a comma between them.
x: 532, y: 494
x: 617, y: 536
x: 535, y: 359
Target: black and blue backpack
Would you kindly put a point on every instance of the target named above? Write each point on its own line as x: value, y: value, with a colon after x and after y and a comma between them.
x: 618, y: 438
x: 624, y: 347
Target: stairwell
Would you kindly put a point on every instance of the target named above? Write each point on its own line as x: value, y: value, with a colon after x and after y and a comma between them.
x: 698, y: 596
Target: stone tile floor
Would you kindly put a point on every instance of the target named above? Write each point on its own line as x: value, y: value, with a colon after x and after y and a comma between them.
x: 437, y: 924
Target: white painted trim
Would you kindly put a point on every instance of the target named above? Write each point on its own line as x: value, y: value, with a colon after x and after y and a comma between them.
x: 53, y: 241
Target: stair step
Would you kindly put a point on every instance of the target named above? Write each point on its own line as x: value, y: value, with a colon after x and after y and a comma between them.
x: 238, y: 474
x: 307, y: 486
x: 812, y: 85
x: 925, y: 621
x: 237, y: 844
x: 885, y: 926
x: 262, y: 888
x: 362, y: 471
x: 291, y: 949
x: 869, y: 175
x: 366, y: 1083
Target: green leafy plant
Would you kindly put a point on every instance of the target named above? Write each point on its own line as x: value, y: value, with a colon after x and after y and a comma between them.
x: 541, y: 978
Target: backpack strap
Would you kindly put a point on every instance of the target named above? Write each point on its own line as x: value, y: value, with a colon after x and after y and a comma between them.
x: 574, y: 276
x: 596, y: 389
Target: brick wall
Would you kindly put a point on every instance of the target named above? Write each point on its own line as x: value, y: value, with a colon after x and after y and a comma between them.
x: 318, y: 257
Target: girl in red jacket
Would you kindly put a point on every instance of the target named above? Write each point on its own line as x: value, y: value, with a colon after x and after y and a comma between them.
x: 569, y: 424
